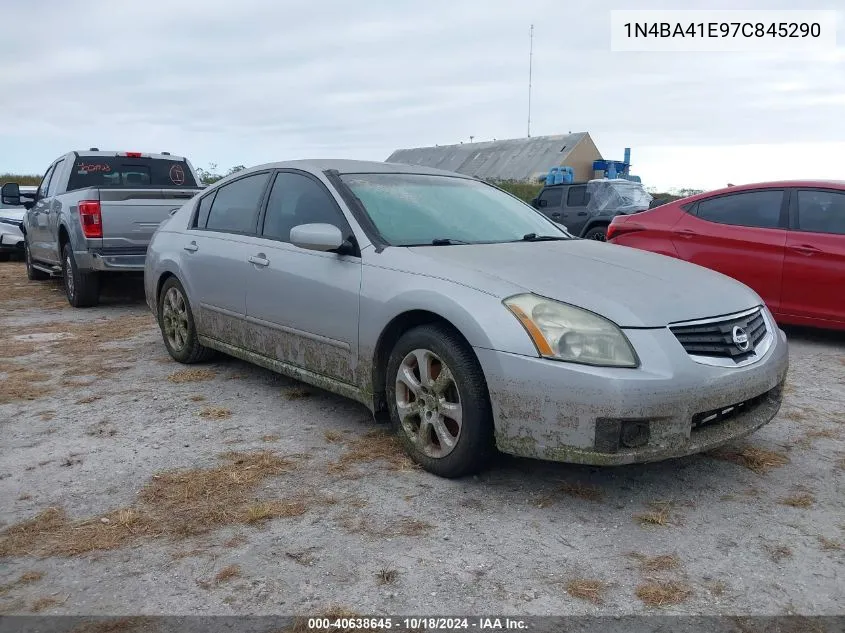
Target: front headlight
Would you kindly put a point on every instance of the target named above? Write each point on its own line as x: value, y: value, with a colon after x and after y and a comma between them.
x: 564, y: 332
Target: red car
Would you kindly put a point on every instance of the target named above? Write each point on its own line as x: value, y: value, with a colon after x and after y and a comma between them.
x: 786, y: 240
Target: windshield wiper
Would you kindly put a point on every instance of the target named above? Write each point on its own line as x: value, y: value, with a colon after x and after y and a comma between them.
x: 533, y: 237
x: 446, y: 241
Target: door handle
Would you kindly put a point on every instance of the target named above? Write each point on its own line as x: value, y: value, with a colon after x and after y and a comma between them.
x: 556, y: 215
x: 805, y: 249
x: 582, y: 213
x: 687, y: 233
x: 259, y: 260
x: 192, y: 247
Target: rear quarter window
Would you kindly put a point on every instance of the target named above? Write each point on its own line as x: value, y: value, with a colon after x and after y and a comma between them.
x: 117, y: 171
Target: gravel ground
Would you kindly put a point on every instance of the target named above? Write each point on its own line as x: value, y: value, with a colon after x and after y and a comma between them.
x: 99, y: 423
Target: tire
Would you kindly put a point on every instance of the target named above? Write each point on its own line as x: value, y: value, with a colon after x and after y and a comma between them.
x: 33, y: 274
x: 82, y: 289
x: 473, y: 444
x: 4, y: 257
x: 597, y: 233
x: 178, y: 330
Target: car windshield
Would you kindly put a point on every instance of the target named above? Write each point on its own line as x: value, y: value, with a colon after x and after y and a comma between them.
x: 417, y: 210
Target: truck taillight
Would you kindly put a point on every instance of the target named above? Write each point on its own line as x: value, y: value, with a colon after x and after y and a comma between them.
x: 133, y: 154
x: 91, y: 218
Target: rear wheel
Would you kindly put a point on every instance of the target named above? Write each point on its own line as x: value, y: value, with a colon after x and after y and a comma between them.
x: 178, y: 329
x: 33, y: 274
x: 597, y: 233
x: 82, y: 289
x: 438, y: 402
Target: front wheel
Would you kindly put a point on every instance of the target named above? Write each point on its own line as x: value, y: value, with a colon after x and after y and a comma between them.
x: 598, y: 233
x: 438, y: 401
x: 178, y: 329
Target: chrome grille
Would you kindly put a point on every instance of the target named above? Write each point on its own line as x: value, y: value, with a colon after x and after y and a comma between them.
x: 714, y: 337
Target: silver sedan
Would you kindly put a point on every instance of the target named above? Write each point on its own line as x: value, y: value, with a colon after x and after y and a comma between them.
x: 463, y: 316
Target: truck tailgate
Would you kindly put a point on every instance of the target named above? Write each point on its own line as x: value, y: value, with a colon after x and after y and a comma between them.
x: 131, y: 216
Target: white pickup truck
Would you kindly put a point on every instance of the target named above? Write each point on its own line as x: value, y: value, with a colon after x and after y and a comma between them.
x: 95, y: 212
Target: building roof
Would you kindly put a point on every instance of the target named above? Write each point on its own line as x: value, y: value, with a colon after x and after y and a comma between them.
x: 512, y: 159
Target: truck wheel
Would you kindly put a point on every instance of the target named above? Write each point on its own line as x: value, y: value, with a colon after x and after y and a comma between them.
x: 598, y: 233
x: 176, y: 321
x: 33, y: 274
x: 82, y: 289
x: 438, y: 401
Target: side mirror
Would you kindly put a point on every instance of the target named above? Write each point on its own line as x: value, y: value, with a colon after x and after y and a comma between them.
x: 542, y: 204
x: 319, y: 237
x: 11, y: 194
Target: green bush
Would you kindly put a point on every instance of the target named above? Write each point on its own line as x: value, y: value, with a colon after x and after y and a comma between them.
x: 21, y: 179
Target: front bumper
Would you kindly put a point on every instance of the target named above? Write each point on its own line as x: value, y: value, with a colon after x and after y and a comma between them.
x: 576, y: 413
x: 11, y: 240
x: 101, y: 262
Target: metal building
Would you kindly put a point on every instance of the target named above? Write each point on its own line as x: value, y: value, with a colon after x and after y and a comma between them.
x: 519, y: 159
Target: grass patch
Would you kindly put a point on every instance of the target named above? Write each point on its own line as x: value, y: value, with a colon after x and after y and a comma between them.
x: 215, y: 413
x: 297, y: 393
x: 196, y: 398
x: 191, y: 375
x: 585, y: 589
x: 778, y: 552
x: 270, y: 438
x: 400, y: 526
x: 46, y: 602
x: 799, y: 500
x: 758, y: 460
x: 386, y: 576
x: 582, y: 491
x: 659, y: 515
x: 663, y: 562
x: 267, y: 510
x: 23, y: 383
x: 174, y: 504
x: 227, y: 573
x: 26, y: 578
x: 333, y: 436
x: 88, y: 399
x: 663, y: 594
x: 829, y: 545
x: 373, y: 446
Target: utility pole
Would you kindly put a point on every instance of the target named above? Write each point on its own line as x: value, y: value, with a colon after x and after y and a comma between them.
x: 530, y: 65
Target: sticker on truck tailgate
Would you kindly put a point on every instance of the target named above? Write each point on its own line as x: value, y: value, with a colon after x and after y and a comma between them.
x: 177, y: 175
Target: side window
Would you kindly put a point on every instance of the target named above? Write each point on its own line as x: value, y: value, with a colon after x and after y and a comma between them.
x: 296, y: 199
x: 760, y: 209
x: 204, y: 208
x: 235, y: 207
x: 553, y: 198
x: 821, y: 211
x: 45, y: 184
x: 577, y: 197
x: 55, y: 178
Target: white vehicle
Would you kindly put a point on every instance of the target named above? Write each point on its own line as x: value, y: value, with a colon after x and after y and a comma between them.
x: 11, y: 216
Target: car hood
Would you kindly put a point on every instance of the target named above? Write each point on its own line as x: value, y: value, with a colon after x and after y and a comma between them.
x: 633, y: 288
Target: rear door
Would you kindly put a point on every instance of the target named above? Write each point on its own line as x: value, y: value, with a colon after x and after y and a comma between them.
x: 741, y: 235
x: 814, y: 267
x: 575, y: 214
x: 303, y: 304
x: 550, y: 204
x: 215, y: 257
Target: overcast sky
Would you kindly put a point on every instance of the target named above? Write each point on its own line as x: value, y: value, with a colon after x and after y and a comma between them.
x: 253, y: 81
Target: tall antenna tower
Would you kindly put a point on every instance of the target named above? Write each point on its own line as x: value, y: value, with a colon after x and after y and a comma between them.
x: 530, y: 66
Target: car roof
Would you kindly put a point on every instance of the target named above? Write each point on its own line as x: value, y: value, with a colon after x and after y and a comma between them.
x: 822, y: 184
x: 344, y: 166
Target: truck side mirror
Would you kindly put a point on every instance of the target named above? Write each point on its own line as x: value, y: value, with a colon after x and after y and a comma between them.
x: 11, y: 194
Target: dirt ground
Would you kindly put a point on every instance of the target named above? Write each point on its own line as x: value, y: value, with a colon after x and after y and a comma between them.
x: 132, y: 485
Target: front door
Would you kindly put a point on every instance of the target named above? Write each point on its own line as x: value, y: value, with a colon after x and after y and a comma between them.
x: 814, y: 268
x: 741, y: 235
x: 215, y: 257
x: 302, y: 305
x: 37, y: 225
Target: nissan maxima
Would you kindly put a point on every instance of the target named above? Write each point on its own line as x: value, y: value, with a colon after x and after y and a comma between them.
x: 464, y: 316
